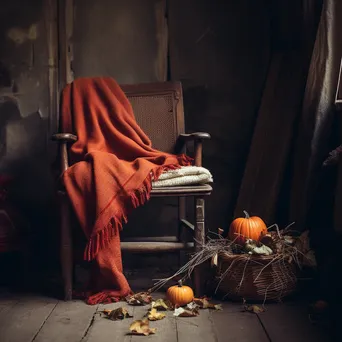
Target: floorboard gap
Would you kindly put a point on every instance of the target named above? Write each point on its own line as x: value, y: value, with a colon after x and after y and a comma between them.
x: 41, y: 327
x: 211, y: 319
x: 90, y: 324
x: 263, y: 328
x: 133, y: 312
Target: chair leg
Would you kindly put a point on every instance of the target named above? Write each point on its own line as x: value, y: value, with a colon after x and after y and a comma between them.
x: 181, y: 215
x: 66, y: 248
x: 199, y: 236
x: 182, y: 256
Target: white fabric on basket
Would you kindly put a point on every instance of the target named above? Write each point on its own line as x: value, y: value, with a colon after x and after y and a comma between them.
x: 186, y: 175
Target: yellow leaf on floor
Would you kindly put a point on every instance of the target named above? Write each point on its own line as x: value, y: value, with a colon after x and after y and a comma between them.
x: 154, y: 315
x: 160, y: 304
x: 141, y: 327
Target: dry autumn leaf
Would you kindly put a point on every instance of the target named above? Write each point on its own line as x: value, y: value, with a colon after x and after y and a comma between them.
x: 181, y: 312
x: 204, y: 303
x: 141, y: 327
x: 141, y: 298
x: 254, y: 309
x: 154, y: 315
x: 169, y: 304
x: 160, y: 304
x: 117, y: 314
x: 192, y: 306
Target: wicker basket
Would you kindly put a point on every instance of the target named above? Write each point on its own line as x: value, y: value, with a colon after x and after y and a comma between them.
x: 255, y: 278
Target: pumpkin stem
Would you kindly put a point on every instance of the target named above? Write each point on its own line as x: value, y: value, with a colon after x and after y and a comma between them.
x: 246, y: 214
x: 180, y: 283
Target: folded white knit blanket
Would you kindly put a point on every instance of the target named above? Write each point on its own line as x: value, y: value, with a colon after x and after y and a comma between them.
x: 186, y: 175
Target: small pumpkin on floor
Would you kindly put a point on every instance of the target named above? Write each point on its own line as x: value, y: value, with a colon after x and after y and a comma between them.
x: 248, y: 227
x: 180, y: 294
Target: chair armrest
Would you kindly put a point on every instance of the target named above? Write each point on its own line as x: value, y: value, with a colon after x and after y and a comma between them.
x: 197, y: 138
x: 64, y: 137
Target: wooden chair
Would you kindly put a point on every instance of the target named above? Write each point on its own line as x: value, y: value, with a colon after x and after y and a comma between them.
x: 158, y: 108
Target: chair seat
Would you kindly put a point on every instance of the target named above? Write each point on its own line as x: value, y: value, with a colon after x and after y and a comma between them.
x: 188, y: 190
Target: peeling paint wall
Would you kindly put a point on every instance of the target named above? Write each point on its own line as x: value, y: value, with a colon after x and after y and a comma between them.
x: 20, y: 35
x: 25, y: 114
x: 23, y: 94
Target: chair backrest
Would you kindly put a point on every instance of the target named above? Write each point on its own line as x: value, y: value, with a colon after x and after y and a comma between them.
x: 158, y: 109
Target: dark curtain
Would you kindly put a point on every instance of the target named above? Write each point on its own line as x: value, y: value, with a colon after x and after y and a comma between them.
x: 316, y: 193
x: 311, y: 184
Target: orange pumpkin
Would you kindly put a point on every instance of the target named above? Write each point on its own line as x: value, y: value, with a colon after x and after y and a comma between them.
x: 243, y: 228
x: 180, y: 294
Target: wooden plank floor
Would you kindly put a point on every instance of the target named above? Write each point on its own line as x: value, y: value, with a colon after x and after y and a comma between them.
x: 31, y: 318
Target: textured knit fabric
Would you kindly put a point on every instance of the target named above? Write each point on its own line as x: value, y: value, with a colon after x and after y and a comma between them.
x: 113, y: 164
x: 186, y: 175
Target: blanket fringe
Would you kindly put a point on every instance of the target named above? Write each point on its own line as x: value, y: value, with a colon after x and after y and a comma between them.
x: 135, y: 199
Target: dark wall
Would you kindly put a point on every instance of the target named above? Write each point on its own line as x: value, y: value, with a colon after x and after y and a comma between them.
x: 125, y: 39
x: 220, y: 52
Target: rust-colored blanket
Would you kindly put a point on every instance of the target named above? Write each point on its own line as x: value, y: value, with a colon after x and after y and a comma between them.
x: 113, y: 164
